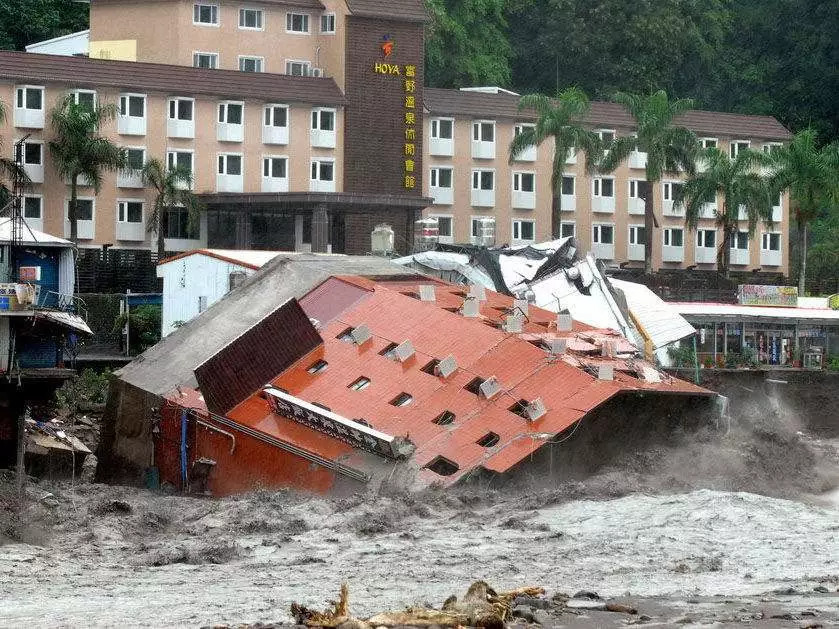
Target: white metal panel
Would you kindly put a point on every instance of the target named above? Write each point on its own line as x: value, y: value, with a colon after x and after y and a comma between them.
x: 67, y: 271
x: 4, y: 343
x: 662, y: 324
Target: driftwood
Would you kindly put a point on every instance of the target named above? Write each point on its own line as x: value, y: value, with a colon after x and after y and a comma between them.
x: 482, y: 606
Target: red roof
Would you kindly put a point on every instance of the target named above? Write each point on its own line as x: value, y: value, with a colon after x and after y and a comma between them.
x: 393, y: 313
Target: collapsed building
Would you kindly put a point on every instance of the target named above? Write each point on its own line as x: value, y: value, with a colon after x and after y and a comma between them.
x: 331, y: 374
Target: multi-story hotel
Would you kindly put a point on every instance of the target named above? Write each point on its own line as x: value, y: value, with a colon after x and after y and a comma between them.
x: 306, y: 124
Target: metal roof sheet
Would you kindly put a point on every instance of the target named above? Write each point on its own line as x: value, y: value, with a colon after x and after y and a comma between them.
x: 754, y: 312
x: 252, y: 259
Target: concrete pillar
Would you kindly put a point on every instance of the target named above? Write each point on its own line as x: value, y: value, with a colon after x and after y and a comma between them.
x: 320, y: 229
x: 243, y: 230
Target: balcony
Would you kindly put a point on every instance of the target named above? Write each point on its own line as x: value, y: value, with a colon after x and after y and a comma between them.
x: 35, y: 172
x: 230, y: 132
x: 85, y: 229
x: 135, y: 232
x: 321, y: 138
x: 441, y: 196
x: 740, y: 257
x: 229, y: 183
x: 180, y: 128
x: 483, y: 198
x: 29, y: 118
x: 777, y: 213
x: 603, y: 251
x: 442, y: 147
x: 318, y: 185
x: 708, y: 210
x: 605, y: 205
x: 669, y: 208
x: 636, y: 206
x: 705, y: 255
x: 742, y: 214
x: 638, y: 159
x: 36, y: 223
x: 129, y: 179
x: 769, y: 257
x: 527, y: 155
x: 635, y: 252
x: 569, y: 202
x: 672, y: 254
x: 275, y: 184
x: 524, y: 200
x: 571, y: 158
x: 274, y: 135
x: 131, y: 125
x: 483, y: 149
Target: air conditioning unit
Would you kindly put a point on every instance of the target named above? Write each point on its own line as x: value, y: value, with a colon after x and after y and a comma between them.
x: 484, y: 232
x: 361, y: 334
x: 318, y: 72
x: 535, y: 409
x: 477, y: 291
x: 426, y: 292
x: 403, y: 351
x: 564, y: 322
x: 605, y: 372
x: 513, y: 323
x: 557, y: 346
x: 490, y: 387
x: 446, y: 367
x: 520, y: 306
x: 471, y: 307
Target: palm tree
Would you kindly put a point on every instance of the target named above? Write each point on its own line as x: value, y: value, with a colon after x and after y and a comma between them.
x: 562, y: 120
x: 743, y: 188
x: 78, y: 151
x: 172, y: 189
x: 811, y: 175
x: 670, y: 148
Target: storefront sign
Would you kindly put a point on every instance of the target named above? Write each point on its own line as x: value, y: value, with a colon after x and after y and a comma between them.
x: 758, y: 295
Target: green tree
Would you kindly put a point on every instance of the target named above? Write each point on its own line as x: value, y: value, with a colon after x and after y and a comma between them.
x: 670, y: 148
x: 560, y: 120
x: 811, y: 175
x: 466, y: 43
x: 744, y: 190
x: 79, y: 153
x: 172, y: 187
x: 24, y: 22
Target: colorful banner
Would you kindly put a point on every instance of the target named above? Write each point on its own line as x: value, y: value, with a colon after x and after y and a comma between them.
x: 759, y: 295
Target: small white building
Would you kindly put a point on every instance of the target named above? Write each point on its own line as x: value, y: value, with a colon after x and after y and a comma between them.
x: 195, y: 280
x: 72, y: 45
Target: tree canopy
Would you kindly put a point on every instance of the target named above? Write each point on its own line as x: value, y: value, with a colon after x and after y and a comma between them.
x: 24, y: 22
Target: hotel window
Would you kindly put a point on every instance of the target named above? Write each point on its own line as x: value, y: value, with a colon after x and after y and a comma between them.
x: 517, y: 130
x: 771, y: 241
x: 740, y: 240
x: 206, y: 60
x: 130, y: 212
x: 298, y: 68
x: 673, y: 191
x: 323, y: 120
x: 85, y: 98
x: 737, y: 146
x: 250, y: 19
x: 178, y: 225
x: 483, y: 180
x: 567, y: 185
x: 441, y: 177
x: 230, y: 113
x: 30, y: 98
x: 84, y: 209
x: 250, y: 64
x: 32, y: 207
x: 276, y: 116
x: 445, y: 227
x: 524, y: 182
x: 603, y: 187
x: 637, y: 235
x: 360, y: 384
x: 442, y: 128
x: 275, y: 167
x: 205, y: 14
x: 230, y: 164
x: 524, y: 230
x: 636, y: 188
x: 134, y: 159
x: 181, y: 108
x: 297, y: 22
x: 674, y: 237
x: 771, y: 147
x: 327, y: 23
x: 566, y: 230
x: 483, y: 131
x: 132, y: 105
x: 706, y: 238
x: 603, y: 234
x: 33, y: 153
x: 606, y: 135
x: 180, y: 159
x: 323, y: 170
x: 709, y: 143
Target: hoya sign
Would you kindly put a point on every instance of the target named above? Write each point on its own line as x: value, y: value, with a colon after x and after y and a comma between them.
x: 759, y: 295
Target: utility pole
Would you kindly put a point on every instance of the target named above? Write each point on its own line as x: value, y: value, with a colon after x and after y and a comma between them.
x: 16, y: 236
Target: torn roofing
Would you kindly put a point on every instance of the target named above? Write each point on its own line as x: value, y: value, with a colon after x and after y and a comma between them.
x: 171, y: 362
x: 401, y: 10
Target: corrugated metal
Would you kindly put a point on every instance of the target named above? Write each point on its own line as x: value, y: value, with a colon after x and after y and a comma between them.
x: 260, y: 354
x: 402, y: 10
x: 661, y: 323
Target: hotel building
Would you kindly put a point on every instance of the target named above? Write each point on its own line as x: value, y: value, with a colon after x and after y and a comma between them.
x: 306, y: 124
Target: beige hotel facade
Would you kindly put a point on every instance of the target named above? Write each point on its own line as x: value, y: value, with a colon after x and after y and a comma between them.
x: 306, y: 124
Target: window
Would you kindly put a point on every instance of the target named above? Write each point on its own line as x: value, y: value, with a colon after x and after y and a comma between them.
x: 250, y: 18
x: 130, y: 211
x: 740, y: 240
x: 230, y: 113
x: 444, y: 226
x: 488, y: 440
x: 444, y: 419
x: 709, y: 143
x: 323, y: 170
x: 524, y: 182
x: 442, y: 128
x: 85, y: 99
x: 706, y: 238
x: 230, y: 164
x: 30, y: 98
x: 84, y: 209
x: 297, y: 22
x: 771, y: 241
x: 566, y: 230
x: 567, y: 185
x: 275, y: 167
x: 134, y: 159
x: 674, y: 237
x: 517, y: 130
x: 483, y: 131
x: 206, y: 60
x: 319, y: 366
x: 298, y: 68
x: 323, y: 119
x: 524, y: 230
x: 636, y: 188
x: 603, y: 234
x: 483, y: 180
x: 474, y: 385
x: 403, y: 399
x: 32, y: 207
x: 673, y: 191
x: 430, y: 367
x: 181, y: 108
x: 360, y: 384
x: 178, y: 225
x: 33, y: 153
x: 205, y: 14
x: 133, y: 105
x: 441, y: 177
x: 250, y: 64
x: 180, y: 159
x: 771, y: 147
x: 737, y: 146
x: 276, y: 116
x: 327, y: 23
x: 637, y: 235
x: 606, y: 135
x: 604, y: 187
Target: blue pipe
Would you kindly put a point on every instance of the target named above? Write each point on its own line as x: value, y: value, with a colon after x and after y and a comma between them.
x: 183, y: 450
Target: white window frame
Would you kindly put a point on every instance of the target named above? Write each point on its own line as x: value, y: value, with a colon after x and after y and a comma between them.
x: 319, y: 161
x: 289, y: 22
x: 667, y: 236
x: 317, y: 112
x: 126, y: 98
x: 601, y: 132
x: 270, y: 108
x: 596, y: 230
x: 769, y: 147
x: 736, y: 143
x: 702, y: 238
x: 562, y: 227
x: 573, y: 179
x: 450, y: 236
x: 77, y: 92
x: 224, y: 106
x: 517, y: 181
x: 334, y: 23
x: 597, y: 187
x: 733, y: 242
x: 171, y: 154
x: 267, y: 158
x: 306, y: 67
x: 434, y: 177
x: 142, y: 149
x: 479, y: 124
x: 206, y: 53
x: 706, y: 141
x: 766, y: 240
x: 33, y: 142
x: 435, y: 128
x: 25, y: 89
x: 260, y: 61
x: 633, y: 183
x: 516, y: 227
x: 243, y: 11
x: 632, y: 234
x: 216, y: 13
x: 125, y: 202
x: 177, y: 100
x: 29, y: 195
x: 223, y: 158
x: 479, y: 172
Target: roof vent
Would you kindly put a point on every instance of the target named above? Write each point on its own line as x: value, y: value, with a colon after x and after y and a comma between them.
x: 651, y: 375
x: 477, y: 291
x: 557, y: 346
x: 608, y: 348
x: 446, y: 367
x: 471, y: 307
x: 403, y: 351
x: 535, y: 409
x: 512, y: 323
x: 316, y: 323
x: 564, y: 322
x: 426, y: 292
x: 361, y: 334
x: 520, y: 305
x: 605, y: 372
x: 490, y: 387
